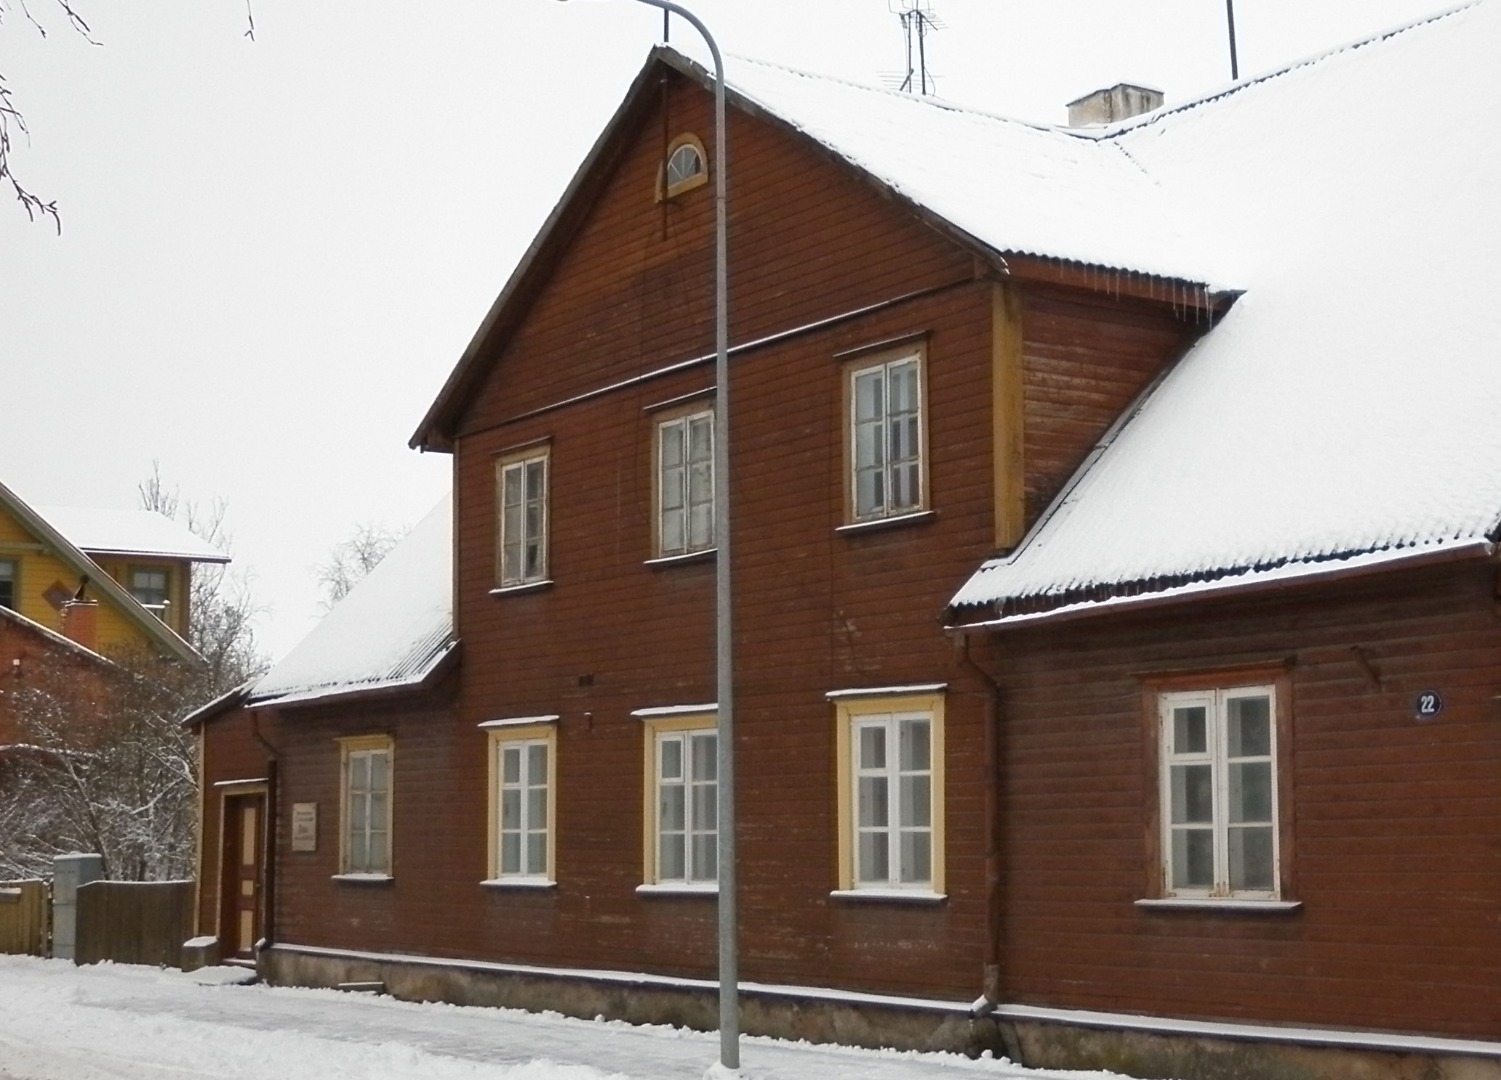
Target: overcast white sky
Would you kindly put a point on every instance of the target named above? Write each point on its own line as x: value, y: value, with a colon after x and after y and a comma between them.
x: 273, y: 251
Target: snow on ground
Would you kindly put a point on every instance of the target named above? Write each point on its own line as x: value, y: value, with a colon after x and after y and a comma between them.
x: 111, y: 1022
x: 59, y: 1022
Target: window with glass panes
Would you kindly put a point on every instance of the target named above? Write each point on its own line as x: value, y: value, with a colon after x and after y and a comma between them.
x: 1219, y: 793
x: 685, y: 484
x: 149, y: 586
x: 8, y: 575
x: 893, y: 793
x: 521, y: 499
x: 687, y: 811
x: 366, y: 838
x: 524, y: 809
x: 886, y: 436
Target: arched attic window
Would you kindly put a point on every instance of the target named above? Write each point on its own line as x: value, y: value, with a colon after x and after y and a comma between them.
x: 684, y: 167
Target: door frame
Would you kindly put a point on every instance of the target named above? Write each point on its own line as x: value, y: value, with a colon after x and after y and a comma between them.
x: 226, y: 906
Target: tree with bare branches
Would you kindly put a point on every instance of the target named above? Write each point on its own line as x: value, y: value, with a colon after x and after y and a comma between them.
x: 100, y: 761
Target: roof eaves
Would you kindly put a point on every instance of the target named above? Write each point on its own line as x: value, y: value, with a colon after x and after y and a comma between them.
x: 219, y: 706
x: 435, y: 431
x: 53, y: 637
x: 1232, y: 581
x: 85, y: 566
x: 438, y: 666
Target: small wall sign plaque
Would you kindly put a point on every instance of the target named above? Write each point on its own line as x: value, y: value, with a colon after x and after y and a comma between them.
x: 305, y: 826
x: 1427, y: 705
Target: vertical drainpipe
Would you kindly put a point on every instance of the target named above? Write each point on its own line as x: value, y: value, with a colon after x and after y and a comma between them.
x: 990, y: 995
x: 268, y: 842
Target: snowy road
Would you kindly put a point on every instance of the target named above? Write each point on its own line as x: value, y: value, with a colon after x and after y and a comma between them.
x: 60, y: 1022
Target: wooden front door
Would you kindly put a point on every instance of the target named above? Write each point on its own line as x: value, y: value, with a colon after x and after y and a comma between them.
x: 243, y: 875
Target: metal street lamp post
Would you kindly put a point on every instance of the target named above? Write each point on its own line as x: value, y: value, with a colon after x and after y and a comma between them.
x: 729, y: 959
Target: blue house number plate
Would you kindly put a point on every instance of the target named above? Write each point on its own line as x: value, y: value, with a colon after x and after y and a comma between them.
x: 1429, y: 704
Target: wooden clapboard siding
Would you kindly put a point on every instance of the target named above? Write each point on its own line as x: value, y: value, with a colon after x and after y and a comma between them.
x: 828, y: 261
x: 1395, y: 855
x: 1087, y: 356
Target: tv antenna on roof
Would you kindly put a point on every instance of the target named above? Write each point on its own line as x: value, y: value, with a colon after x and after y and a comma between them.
x: 917, y: 20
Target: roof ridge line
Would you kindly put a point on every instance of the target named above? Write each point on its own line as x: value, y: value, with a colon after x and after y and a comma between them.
x: 1135, y: 123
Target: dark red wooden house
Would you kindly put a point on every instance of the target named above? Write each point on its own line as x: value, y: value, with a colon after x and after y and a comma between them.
x: 1206, y: 760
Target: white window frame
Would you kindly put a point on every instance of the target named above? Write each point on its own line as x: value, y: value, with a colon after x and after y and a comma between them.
x: 356, y: 819
x: 521, y: 739
x: 680, y: 730
x: 675, y: 483
x: 1215, y: 755
x: 888, y: 714
x: 880, y: 431
x: 142, y: 595
x: 531, y: 469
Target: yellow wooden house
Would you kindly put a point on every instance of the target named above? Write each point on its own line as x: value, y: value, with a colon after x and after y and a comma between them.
x: 133, y: 567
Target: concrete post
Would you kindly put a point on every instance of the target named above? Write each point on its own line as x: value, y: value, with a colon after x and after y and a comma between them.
x: 69, y: 872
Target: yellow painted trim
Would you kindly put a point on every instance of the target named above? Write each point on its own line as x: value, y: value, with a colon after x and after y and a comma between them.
x: 651, y: 729
x: 848, y: 710
x: 697, y: 181
x: 1008, y: 415
x: 353, y: 744
x: 498, y: 737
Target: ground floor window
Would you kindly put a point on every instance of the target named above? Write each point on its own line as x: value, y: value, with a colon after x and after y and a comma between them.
x: 890, y: 773
x: 365, y: 830
x: 1219, y: 792
x: 523, y: 763
x: 681, y: 808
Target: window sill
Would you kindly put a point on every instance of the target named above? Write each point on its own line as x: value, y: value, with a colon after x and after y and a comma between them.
x: 530, y: 586
x: 518, y: 883
x: 661, y: 561
x: 911, y: 896
x: 1205, y: 903
x: 679, y: 888
x: 888, y: 522
x: 363, y: 879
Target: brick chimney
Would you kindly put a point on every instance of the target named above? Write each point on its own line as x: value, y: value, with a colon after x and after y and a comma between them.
x: 1119, y: 102
x: 81, y: 622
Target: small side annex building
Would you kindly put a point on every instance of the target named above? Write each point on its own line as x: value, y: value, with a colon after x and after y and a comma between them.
x: 1118, y: 630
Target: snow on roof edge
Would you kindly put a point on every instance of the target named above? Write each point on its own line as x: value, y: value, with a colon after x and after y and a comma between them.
x: 1240, y: 581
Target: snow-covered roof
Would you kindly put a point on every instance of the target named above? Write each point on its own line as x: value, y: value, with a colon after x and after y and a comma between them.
x: 50, y: 536
x: 130, y: 532
x: 1345, y: 412
x: 391, y: 632
x: 1017, y: 188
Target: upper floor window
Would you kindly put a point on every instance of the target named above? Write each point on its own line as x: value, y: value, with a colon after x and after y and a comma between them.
x: 9, y: 572
x: 684, y: 167
x: 886, y: 436
x: 365, y: 831
x: 521, y: 503
x: 685, y: 484
x: 149, y: 586
x: 1218, y: 795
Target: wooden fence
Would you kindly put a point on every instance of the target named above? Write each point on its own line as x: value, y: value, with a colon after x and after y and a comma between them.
x: 25, y: 917
x: 134, y: 922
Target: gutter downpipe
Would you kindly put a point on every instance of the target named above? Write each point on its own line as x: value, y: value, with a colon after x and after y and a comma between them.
x: 990, y: 994
x: 268, y: 845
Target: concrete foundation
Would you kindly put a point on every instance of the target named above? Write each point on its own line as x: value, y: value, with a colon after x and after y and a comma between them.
x: 829, y: 1016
